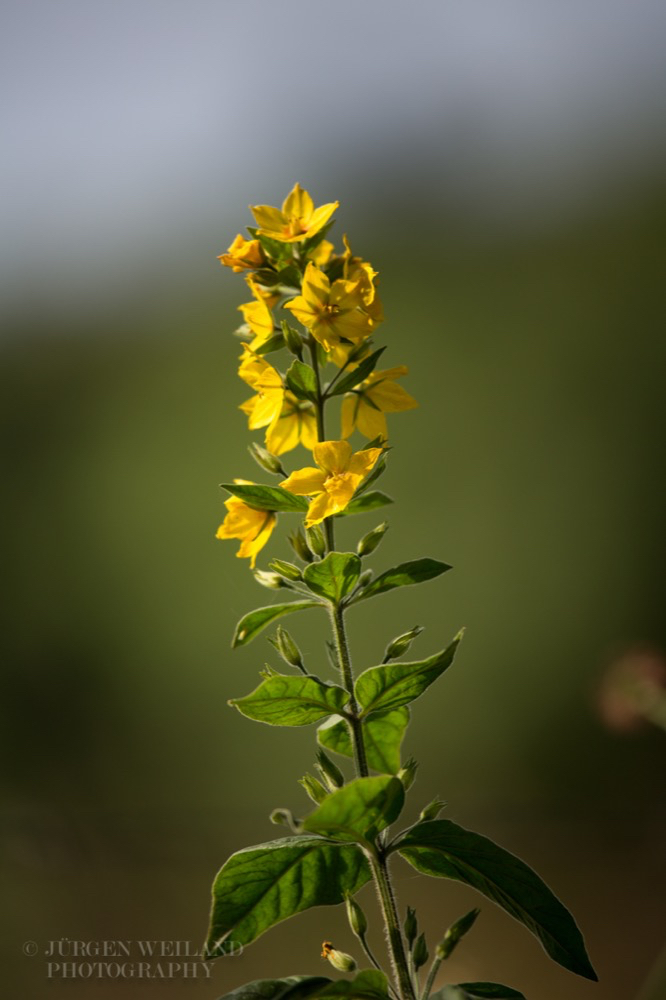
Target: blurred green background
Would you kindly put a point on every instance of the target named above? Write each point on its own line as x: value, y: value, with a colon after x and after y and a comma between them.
x: 502, y: 170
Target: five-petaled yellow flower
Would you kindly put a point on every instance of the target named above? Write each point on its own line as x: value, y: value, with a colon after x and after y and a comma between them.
x: 377, y: 395
x: 258, y: 315
x: 334, y: 483
x: 359, y: 270
x: 331, y: 311
x: 243, y: 255
x: 252, y: 527
x: 298, y: 220
x: 267, y: 381
x: 295, y: 424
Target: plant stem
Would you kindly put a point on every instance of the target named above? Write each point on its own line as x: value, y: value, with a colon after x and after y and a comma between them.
x: 320, y: 402
x: 430, y: 981
x: 377, y: 861
x: 344, y: 660
x: 396, y: 946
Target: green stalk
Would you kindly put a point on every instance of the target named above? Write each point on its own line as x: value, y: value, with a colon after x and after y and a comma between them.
x: 430, y: 981
x: 396, y: 945
x: 378, y: 864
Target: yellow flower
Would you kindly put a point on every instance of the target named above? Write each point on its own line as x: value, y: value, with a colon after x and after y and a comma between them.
x: 243, y: 255
x: 334, y: 483
x: 358, y: 270
x: 340, y: 960
x: 296, y: 423
x: 321, y: 254
x: 330, y: 311
x: 377, y: 395
x: 252, y: 527
x: 258, y: 315
x: 298, y: 220
x: 258, y: 374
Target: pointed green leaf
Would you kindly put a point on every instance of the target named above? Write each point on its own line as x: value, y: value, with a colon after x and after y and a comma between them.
x: 477, y: 991
x: 267, y: 497
x: 444, y: 849
x: 390, y: 685
x: 302, y: 381
x: 382, y: 736
x: 369, y: 501
x: 260, y: 886
x: 417, y: 571
x: 291, y: 701
x: 371, y: 984
x: 355, y: 377
x: 379, y: 470
x: 274, y: 343
x: 359, y: 810
x: 334, y: 577
x: 291, y: 988
x: 253, y: 622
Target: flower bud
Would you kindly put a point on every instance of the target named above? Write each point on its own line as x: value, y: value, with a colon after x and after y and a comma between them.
x: 399, y: 646
x: 292, y: 339
x: 364, y: 579
x: 407, y: 773
x: 300, y: 546
x: 271, y: 580
x: 369, y: 542
x: 314, y: 788
x: 411, y: 926
x: 265, y: 459
x: 287, y: 648
x: 433, y: 810
x: 420, y: 952
x: 329, y: 770
x: 286, y: 569
x: 455, y: 933
x: 338, y: 959
x: 315, y: 537
x: 356, y: 917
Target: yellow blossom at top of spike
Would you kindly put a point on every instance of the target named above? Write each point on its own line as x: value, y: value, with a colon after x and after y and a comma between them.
x: 334, y: 483
x: 365, y: 407
x: 267, y: 382
x: 330, y: 311
x: 243, y: 255
x: 253, y: 527
x: 258, y: 315
x: 298, y: 220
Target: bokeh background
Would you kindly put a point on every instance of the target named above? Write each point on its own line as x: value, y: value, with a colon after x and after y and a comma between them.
x: 502, y: 166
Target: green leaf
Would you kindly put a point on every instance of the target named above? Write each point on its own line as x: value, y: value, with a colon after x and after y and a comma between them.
x: 443, y: 849
x: 390, y: 685
x: 371, y: 984
x: 382, y: 736
x: 291, y: 988
x: 267, y: 497
x: 253, y: 622
x: 334, y: 577
x: 369, y: 501
x: 283, y: 700
x: 276, y: 249
x: 260, y: 886
x: 359, y: 810
x: 365, y: 368
x: 417, y: 571
x: 379, y: 470
x: 302, y: 381
x: 275, y: 343
x: 477, y: 991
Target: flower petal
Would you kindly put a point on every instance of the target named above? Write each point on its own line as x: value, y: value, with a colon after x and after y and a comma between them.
x: 305, y: 482
x: 332, y: 456
x: 361, y: 463
x: 270, y: 220
x: 298, y: 204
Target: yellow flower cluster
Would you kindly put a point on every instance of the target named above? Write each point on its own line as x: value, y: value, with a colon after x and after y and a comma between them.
x: 289, y: 264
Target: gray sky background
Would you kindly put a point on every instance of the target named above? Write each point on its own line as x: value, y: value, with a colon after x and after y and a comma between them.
x: 133, y: 127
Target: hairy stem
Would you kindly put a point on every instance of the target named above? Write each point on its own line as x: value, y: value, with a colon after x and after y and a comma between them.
x: 396, y: 945
x: 430, y: 981
x: 344, y: 661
